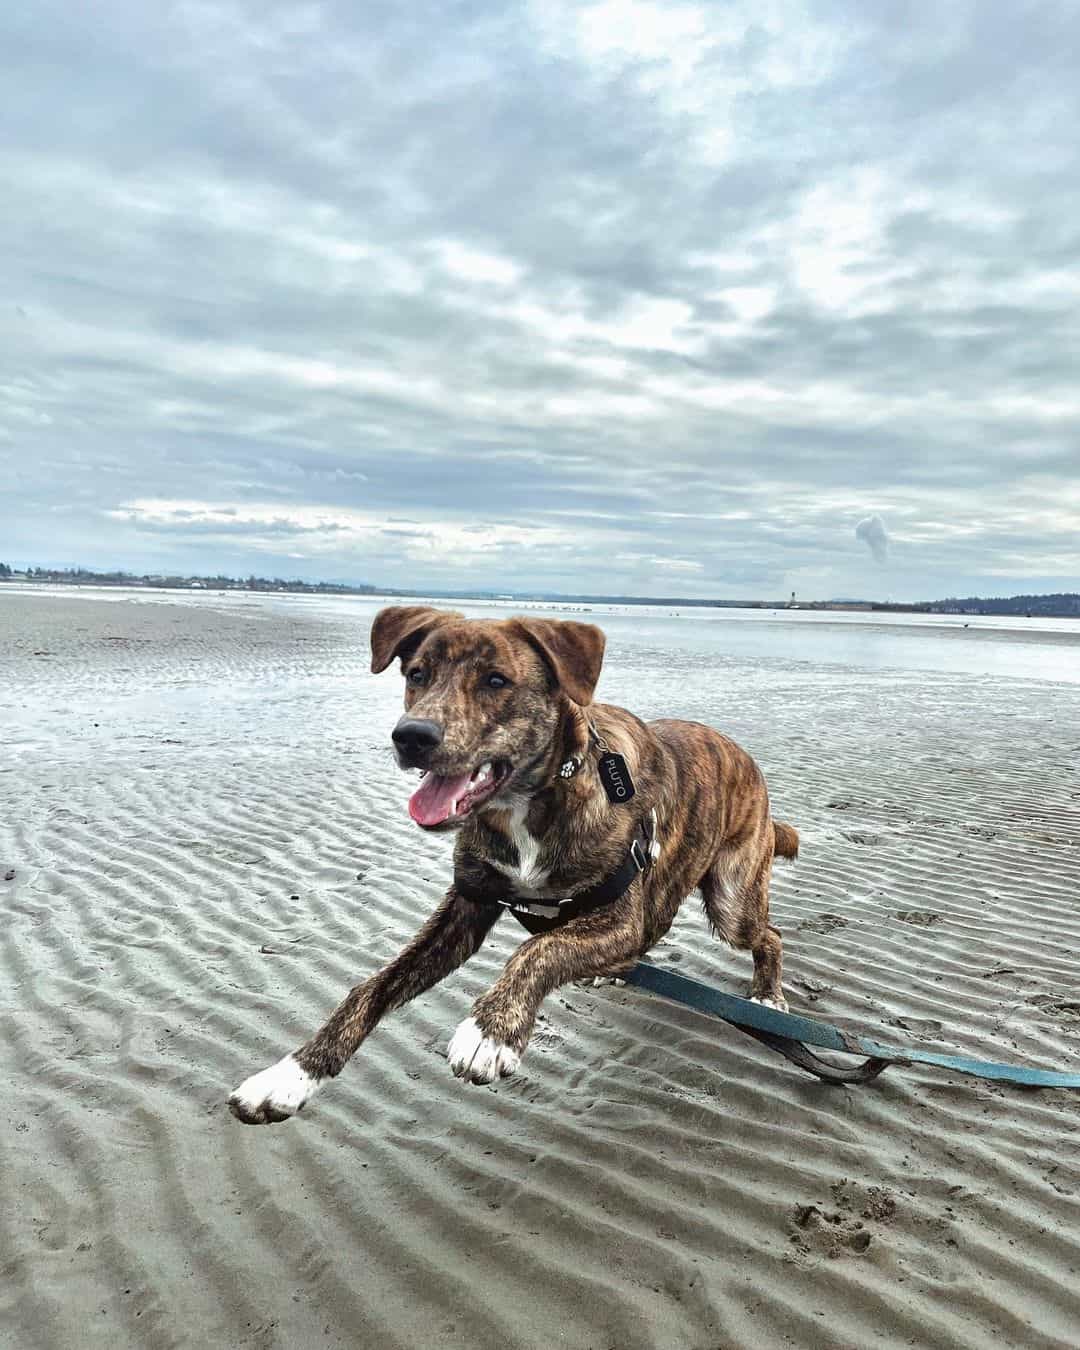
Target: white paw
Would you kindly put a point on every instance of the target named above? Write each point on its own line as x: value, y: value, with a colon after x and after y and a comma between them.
x: 274, y: 1094
x: 780, y: 1004
x: 477, y: 1057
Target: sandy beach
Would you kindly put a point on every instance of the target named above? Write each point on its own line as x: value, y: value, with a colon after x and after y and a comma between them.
x: 204, y: 842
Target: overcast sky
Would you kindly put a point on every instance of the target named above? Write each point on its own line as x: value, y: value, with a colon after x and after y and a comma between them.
x: 720, y: 299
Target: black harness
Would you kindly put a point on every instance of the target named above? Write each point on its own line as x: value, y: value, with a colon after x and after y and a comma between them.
x: 539, y: 915
x: 638, y: 860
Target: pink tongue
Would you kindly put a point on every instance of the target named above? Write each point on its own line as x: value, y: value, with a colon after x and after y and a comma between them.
x: 433, y: 801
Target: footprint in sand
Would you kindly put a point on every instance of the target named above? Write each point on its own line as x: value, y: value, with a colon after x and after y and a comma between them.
x: 855, y: 1218
x: 823, y: 923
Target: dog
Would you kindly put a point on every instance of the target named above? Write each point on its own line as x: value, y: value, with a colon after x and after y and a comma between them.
x: 587, y: 824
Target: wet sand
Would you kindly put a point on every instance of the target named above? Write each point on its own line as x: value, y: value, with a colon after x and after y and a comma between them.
x: 209, y: 844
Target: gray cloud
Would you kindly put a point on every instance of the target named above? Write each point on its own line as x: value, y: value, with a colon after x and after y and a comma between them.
x: 871, y: 530
x: 600, y: 296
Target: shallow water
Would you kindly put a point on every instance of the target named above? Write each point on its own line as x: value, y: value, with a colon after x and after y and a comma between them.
x: 1039, y: 649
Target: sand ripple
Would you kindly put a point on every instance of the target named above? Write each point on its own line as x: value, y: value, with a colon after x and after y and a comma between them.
x: 210, y: 845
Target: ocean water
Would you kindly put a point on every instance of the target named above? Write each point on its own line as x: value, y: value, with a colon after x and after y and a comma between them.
x: 1032, y: 649
x: 1027, y: 649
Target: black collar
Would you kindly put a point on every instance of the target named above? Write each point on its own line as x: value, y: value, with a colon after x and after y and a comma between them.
x: 638, y: 860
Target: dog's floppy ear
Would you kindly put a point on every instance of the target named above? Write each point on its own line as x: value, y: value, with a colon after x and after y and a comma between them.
x: 573, y: 652
x: 399, y: 630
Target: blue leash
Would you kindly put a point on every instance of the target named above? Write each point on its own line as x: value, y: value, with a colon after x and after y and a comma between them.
x: 789, y: 1035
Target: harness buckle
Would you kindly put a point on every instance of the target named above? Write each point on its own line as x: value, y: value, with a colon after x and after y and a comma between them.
x: 533, y: 907
x: 640, y: 857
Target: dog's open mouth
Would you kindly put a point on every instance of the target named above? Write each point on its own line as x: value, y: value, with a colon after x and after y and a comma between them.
x: 443, y: 798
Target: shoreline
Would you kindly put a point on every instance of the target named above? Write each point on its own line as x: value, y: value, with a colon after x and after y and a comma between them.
x: 868, y: 612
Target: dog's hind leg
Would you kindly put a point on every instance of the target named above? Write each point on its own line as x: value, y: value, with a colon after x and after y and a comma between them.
x: 767, y: 985
x: 736, y: 900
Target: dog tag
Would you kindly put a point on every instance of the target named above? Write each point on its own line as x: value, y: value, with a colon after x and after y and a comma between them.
x: 615, y: 776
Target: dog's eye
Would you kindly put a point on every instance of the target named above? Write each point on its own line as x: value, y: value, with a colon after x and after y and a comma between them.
x: 416, y: 676
x: 497, y: 681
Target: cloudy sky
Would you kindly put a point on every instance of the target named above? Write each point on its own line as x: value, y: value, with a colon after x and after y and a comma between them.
x: 702, y: 299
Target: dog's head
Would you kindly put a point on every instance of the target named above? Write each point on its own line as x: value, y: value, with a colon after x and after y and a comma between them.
x: 484, y: 701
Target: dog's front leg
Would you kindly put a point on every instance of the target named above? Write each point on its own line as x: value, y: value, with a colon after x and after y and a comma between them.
x: 452, y: 934
x: 490, y: 1043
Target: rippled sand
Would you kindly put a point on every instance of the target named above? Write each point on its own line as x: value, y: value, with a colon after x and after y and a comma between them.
x: 209, y: 844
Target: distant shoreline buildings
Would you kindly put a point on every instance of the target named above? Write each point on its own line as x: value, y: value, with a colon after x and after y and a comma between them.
x: 81, y: 576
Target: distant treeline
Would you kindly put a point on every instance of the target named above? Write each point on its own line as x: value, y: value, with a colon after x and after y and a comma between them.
x: 1061, y: 605
x: 82, y: 576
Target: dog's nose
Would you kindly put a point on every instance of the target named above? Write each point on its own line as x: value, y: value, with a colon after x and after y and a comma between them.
x: 416, y: 739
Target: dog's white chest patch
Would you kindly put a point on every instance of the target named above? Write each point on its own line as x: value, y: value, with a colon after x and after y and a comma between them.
x: 528, y: 874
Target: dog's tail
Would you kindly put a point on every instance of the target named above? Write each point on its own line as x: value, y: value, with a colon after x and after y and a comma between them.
x: 785, y: 840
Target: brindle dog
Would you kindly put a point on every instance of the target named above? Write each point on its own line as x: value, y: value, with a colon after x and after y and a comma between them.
x: 501, y: 718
